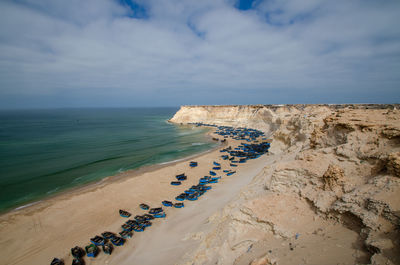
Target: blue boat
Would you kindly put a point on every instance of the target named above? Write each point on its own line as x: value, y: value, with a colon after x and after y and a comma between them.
x: 160, y: 215
x: 176, y: 183
x: 181, y: 177
x: 144, y: 206
x: 126, y: 234
x: 97, y: 240
x: 108, y: 235
x: 138, y: 228
x: 126, y: 227
x: 233, y: 165
x: 179, y: 205
x: 180, y: 197
x: 167, y: 203
x: 231, y: 173
x: 107, y: 248
x: 117, y: 241
x: 193, y: 164
x: 92, y: 250
x: 155, y: 210
x: 192, y: 197
x: 216, y: 168
x: 124, y: 213
x: 145, y: 223
x: 226, y: 171
x: 212, y: 173
x: 216, y: 164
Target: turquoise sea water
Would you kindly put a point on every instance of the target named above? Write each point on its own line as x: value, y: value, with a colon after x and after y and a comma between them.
x: 43, y: 152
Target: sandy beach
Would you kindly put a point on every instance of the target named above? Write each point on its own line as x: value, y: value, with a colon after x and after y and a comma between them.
x: 50, y: 228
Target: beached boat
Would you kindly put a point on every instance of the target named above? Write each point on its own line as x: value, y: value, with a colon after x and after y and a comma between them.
x: 57, y: 261
x: 145, y: 223
x: 181, y: 177
x: 77, y: 252
x: 160, y: 215
x: 212, y: 173
x: 117, y: 241
x: 91, y: 250
x: 140, y: 218
x: 78, y: 261
x: 131, y: 222
x: 216, y: 164
x: 176, y: 183
x: 126, y: 227
x: 167, y: 203
x: 155, y: 210
x: 179, y: 205
x: 216, y: 168
x: 144, y: 206
x: 233, y: 165
x: 97, y: 240
x: 138, y: 228
x: 108, y: 248
x: 124, y: 213
x: 125, y: 234
x: 230, y: 173
x: 180, y: 197
x: 107, y: 235
x: 148, y: 217
x: 193, y: 164
x: 192, y: 197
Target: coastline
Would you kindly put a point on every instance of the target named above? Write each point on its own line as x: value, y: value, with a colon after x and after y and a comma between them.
x: 130, y: 173
x: 50, y: 215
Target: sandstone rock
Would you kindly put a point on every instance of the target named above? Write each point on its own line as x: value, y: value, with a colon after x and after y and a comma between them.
x: 333, y: 177
x: 393, y: 164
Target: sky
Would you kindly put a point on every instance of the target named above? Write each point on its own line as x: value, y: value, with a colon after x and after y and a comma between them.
x: 143, y: 53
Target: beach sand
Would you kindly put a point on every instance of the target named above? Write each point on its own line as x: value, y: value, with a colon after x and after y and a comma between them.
x: 50, y: 228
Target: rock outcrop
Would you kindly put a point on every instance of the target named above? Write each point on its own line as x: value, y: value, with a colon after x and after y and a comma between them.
x: 332, y: 183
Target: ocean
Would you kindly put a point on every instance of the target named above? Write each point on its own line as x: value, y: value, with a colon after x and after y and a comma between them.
x: 44, y: 152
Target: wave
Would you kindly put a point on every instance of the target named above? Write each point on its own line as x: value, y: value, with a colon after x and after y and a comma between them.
x: 26, y: 205
x: 198, y: 143
x: 53, y: 190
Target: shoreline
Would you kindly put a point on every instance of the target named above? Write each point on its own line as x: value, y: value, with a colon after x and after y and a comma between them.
x: 130, y: 173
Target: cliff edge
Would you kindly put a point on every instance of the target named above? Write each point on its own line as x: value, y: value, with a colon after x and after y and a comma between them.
x: 331, y: 187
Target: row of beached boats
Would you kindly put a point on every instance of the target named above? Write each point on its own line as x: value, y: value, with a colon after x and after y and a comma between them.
x: 108, y: 240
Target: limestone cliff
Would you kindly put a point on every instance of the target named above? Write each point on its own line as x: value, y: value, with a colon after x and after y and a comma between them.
x: 330, y: 167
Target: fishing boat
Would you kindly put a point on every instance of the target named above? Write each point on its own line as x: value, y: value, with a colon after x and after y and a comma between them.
x: 97, y: 240
x: 77, y: 252
x: 216, y: 168
x: 57, y: 261
x: 155, y: 210
x: 148, y: 217
x: 140, y: 218
x: 126, y: 227
x: 117, y: 241
x: 131, y: 222
x: 144, y: 206
x: 124, y: 213
x: 233, y: 165
x: 193, y: 164
x: 125, y: 234
x: 212, y: 173
x: 167, y: 203
x: 192, y: 197
x: 145, y: 223
x: 138, y: 228
x: 180, y: 197
x: 230, y: 173
x: 108, y: 235
x: 181, y: 177
x: 92, y: 250
x: 176, y: 183
x: 179, y: 205
x: 216, y: 164
x: 160, y: 215
x: 108, y: 248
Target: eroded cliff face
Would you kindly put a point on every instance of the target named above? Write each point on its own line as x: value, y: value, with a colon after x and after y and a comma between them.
x: 333, y: 177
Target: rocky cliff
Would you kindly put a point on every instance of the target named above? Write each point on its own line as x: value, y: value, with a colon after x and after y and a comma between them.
x: 333, y: 177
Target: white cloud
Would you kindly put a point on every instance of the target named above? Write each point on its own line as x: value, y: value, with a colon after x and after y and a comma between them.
x: 198, y: 52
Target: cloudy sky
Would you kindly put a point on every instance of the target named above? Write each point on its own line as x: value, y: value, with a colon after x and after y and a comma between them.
x: 96, y: 53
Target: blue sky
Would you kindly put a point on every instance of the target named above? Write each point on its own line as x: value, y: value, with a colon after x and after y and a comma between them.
x: 110, y: 53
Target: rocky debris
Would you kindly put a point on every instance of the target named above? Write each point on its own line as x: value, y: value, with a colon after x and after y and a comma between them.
x: 333, y: 177
x: 393, y: 164
x: 263, y: 261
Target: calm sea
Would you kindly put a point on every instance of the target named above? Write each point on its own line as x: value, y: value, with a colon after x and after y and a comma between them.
x: 43, y: 152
